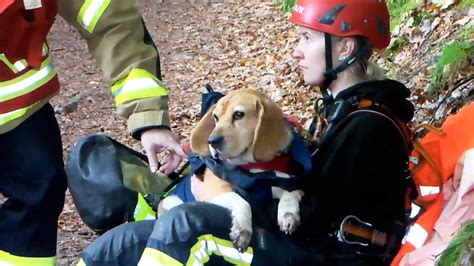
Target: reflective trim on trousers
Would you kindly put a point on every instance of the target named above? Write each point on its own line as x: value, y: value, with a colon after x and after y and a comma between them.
x: 155, y: 257
x: 143, y: 211
x: 209, y: 244
x: 7, y: 259
x: 81, y: 263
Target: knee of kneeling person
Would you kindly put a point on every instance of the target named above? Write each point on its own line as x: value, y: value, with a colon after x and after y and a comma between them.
x: 192, y: 219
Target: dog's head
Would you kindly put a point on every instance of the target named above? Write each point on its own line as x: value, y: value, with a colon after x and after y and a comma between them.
x: 242, y: 127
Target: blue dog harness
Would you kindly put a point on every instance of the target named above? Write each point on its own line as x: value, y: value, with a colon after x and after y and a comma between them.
x: 255, y: 183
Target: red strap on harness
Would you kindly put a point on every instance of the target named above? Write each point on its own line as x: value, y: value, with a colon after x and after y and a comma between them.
x: 279, y: 163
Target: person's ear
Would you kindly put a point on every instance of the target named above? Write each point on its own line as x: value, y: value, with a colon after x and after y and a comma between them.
x: 346, y: 47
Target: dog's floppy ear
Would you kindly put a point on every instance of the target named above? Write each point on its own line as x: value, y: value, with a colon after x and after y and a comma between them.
x: 201, y: 132
x: 271, y: 133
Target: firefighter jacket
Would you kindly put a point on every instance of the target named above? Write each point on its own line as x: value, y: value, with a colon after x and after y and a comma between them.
x: 117, y: 39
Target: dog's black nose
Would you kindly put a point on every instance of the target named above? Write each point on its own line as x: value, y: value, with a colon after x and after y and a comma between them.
x: 215, y: 140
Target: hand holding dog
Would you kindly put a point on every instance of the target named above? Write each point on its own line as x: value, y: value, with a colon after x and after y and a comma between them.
x: 157, y: 140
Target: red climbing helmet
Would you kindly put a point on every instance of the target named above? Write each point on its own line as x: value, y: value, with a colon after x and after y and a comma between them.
x: 343, y: 18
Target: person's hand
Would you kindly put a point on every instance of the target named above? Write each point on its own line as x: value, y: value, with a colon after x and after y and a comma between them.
x: 160, y: 139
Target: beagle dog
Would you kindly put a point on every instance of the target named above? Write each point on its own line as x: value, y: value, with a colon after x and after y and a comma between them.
x: 243, y: 127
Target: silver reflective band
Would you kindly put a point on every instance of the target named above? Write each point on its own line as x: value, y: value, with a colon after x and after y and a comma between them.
x: 428, y: 190
x: 415, y: 210
x: 19, y: 66
x: 416, y: 236
x: 90, y: 12
x: 136, y: 85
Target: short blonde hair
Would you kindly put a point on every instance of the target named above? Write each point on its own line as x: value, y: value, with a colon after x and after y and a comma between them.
x: 363, y: 64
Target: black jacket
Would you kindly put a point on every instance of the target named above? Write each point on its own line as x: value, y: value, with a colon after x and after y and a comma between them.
x: 361, y: 169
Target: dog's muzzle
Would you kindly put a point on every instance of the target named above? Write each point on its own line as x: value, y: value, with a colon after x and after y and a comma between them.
x: 215, y: 144
x: 215, y: 141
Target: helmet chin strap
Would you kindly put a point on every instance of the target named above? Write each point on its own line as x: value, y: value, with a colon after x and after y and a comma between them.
x: 331, y: 74
x: 334, y: 111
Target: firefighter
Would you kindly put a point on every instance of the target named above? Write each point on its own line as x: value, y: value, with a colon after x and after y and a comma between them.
x: 353, y: 210
x: 32, y: 174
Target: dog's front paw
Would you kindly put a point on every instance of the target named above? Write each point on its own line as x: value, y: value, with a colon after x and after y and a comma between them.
x: 289, y: 222
x: 289, y: 211
x: 241, y: 213
x: 240, y: 236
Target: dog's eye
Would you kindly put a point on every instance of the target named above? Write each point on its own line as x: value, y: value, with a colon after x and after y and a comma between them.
x: 216, y: 119
x: 238, y: 115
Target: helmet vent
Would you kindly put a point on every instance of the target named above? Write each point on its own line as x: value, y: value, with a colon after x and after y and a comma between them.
x: 329, y: 16
x: 381, y: 27
x: 345, y: 26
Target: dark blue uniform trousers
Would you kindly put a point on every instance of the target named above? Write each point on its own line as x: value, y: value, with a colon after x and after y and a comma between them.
x: 32, y: 178
x: 177, y: 231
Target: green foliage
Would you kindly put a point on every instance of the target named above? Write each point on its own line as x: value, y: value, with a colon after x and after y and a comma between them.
x: 467, y: 32
x: 397, y: 45
x: 459, y: 246
x: 465, y: 4
x: 420, y: 17
x: 286, y: 5
x: 399, y: 7
x: 453, y: 56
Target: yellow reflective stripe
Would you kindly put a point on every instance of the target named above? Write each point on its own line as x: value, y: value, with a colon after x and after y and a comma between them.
x: 81, y: 263
x: 21, y: 64
x: 155, y: 257
x: 27, y: 82
x: 24, y: 76
x: 138, y: 84
x: 12, y: 260
x: 143, y: 211
x: 90, y: 13
x: 4, y: 59
x: 4, y: 118
x: 209, y: 244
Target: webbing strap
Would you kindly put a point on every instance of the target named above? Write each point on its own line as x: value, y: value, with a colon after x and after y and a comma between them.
x: 425, y: 156
x: 435, y: 130
x: 429, y: 160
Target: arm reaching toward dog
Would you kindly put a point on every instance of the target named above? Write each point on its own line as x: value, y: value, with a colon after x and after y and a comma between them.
x: 160, y: 139
x: 118, y: 40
